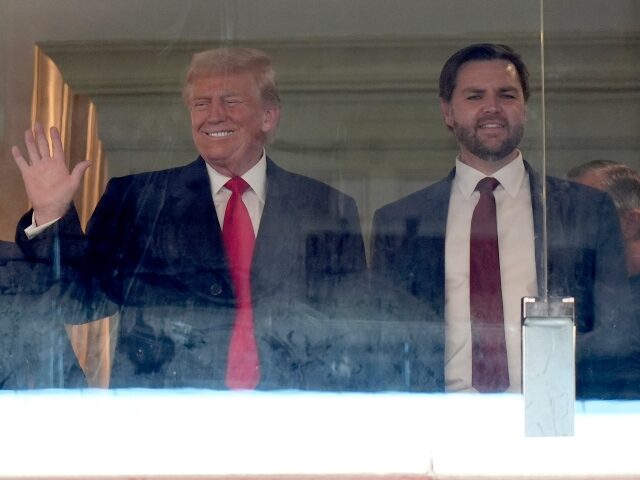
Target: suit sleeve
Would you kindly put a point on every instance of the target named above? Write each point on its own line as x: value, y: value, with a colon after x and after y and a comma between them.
x: 391, y: 263
x: 382, y: 250
x: 350, y: 238
x: 335, y: 260
x: 115, y: 243
x: 603, y: 351
x: 63, y: 249
x: 59, y: 246
x: 610, y: 284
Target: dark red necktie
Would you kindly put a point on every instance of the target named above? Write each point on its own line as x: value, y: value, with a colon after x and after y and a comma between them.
x: 489, y: 353
x: 243, y: 366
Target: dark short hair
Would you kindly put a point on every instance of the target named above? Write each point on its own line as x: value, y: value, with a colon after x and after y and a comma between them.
x: 481, y: 52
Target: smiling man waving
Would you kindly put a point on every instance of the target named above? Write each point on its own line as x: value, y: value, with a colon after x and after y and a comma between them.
x: 224, y: 270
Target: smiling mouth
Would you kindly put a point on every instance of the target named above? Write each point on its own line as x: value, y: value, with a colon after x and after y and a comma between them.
x: 491, y: 125
x: 221, y: 134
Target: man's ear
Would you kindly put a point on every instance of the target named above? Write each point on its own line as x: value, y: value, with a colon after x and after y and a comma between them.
x: 270, y: 118
x: 447, y: 114
x: 630, y: 224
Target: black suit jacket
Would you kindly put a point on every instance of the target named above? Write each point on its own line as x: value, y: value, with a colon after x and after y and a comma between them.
x: 154, y: 247
x: 35, y: 351
x: 584, y: 260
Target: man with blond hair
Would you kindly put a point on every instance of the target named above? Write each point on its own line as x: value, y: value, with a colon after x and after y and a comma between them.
x: 224, y: 271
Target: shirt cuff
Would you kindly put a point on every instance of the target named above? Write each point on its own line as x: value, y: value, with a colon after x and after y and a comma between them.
x: 34, y: 230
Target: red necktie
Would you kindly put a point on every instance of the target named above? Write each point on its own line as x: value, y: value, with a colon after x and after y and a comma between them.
x: 489, y: 352
x: 243, y: 366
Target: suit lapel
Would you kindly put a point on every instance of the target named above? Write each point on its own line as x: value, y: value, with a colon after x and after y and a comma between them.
x: 415, y: 241
x: 192, y: 235
x: 441, y: 193
x: 538, y: 210
x: 274, y: 254
x: 438, y: 225
x: 192, y: 238
x: 549, y: 252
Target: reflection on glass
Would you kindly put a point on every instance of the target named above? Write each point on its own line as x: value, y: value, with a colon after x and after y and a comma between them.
x: 357, y: 110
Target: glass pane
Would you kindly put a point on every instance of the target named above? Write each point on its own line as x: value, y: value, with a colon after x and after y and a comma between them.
x: 592, y: 119
x: 359, y: 111
x: 355, y: 267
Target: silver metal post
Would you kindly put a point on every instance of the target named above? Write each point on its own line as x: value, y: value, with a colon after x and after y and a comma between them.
x: 548, y: 366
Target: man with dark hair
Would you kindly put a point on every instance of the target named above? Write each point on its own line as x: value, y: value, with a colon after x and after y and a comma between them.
x: 471, y: 246
x: 478, y: 52
x: 226, y: 271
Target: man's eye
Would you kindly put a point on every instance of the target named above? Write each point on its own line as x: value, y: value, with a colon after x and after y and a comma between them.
x: 200, y: 105
x: 474, y: 97
x: 232, y: 101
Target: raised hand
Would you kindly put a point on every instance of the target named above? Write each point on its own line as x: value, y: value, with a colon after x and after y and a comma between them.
x: 50, y: 187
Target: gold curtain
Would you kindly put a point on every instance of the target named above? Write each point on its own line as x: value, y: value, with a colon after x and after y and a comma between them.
x: 54, y: 103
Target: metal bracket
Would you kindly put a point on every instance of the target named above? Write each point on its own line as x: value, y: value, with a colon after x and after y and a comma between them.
x: 548, y: 366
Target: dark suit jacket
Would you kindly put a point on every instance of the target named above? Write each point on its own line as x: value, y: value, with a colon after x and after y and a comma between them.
x: 35, y: 351
x: 585, y: 261
x: 154, y: 247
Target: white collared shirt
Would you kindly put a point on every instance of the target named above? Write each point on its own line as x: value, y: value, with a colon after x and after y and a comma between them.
x: 517, y: 267
x: 253, y: 197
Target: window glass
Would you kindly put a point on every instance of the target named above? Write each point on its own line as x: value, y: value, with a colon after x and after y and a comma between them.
x: 358, y: 253
x: 592, y: 116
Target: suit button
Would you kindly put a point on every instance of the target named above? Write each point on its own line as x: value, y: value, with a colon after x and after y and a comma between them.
x: 215, y: 289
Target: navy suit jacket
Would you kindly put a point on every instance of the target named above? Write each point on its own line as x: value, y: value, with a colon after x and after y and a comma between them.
x: 35, y: 351
x: 584, y: 260
x: 154, y: 247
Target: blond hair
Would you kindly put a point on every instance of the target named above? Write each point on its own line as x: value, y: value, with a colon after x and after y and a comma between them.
x: 233, y: 60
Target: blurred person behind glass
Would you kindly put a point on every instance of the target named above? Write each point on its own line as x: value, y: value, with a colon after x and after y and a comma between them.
x: 622, y: 183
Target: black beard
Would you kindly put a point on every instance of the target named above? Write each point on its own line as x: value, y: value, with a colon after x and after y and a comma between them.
x: 473, y: 144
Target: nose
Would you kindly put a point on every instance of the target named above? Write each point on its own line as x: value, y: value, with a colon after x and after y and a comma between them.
x: 217, y: 112
x: 491, y: 104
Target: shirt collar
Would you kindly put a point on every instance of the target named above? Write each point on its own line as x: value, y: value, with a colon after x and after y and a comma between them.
x: 511, y: 177
x: 256, y: 177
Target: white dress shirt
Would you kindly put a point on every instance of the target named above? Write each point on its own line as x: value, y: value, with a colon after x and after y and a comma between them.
x: 253, y: 197
x: 517, y: 267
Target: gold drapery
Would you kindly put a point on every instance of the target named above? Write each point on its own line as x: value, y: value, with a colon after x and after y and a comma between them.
x: 55, y: 104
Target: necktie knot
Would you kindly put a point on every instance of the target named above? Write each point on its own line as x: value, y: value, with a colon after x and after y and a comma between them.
x: 237, y: 185
x: 487, y: 185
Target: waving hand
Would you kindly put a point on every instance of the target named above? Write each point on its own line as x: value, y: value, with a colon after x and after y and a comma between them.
x: 50, y: 187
